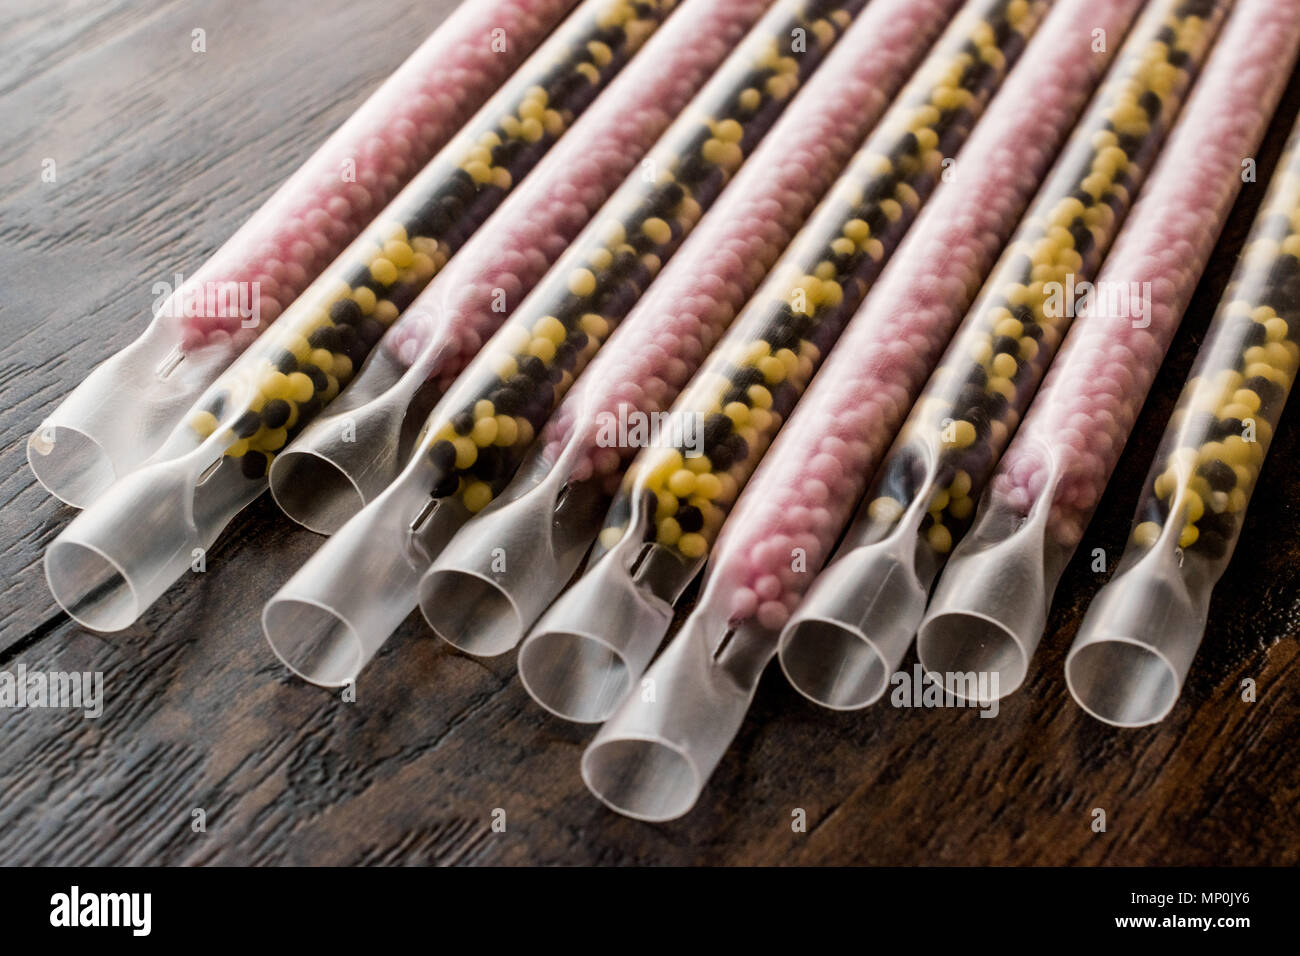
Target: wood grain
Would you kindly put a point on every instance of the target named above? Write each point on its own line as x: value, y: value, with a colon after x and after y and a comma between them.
x: 161, y: 154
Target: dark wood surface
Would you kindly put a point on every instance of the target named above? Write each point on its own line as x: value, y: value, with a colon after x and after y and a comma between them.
x: 160, y: 155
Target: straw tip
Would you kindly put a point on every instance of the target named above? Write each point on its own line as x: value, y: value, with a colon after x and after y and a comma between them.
x: 314, y: 490
x: 471, y: 611
x: 70, y: 464
x: 648, y: 778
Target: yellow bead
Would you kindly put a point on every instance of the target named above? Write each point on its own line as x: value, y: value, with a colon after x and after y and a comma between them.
x: 738, y: 412
x: 466, y: 452
x: 507, y: 431
x: 276, y: 385
x: 273, y: 439
x: 885, y: 510
x: 682, y: 482
x: 1147, y: 534
x: 669, y: 532
x: 656, y: 230
x: 205, y: 423
x: 385, y: 311
x: 476, y: 497
x: 398, y: 253
x: 383, y: 271
x: 939, y: 537
x: 543, y: 349
x: 692, y: 545
x: 959, y: 434
x: 759, y: 396
x: 1188, y: 536
x: 666, y: 505
x: 301, y: 388
x: 1004, y: 365
x: 729, y: 130
x: 366, y: 299
x: 582, y: 282
x: 708, y: 486
x: 595, y: 325
x: 773, y: 370
x: 484, y: 432
x: 857, y: 230
x: 342, y: 367
x: 549, y: 327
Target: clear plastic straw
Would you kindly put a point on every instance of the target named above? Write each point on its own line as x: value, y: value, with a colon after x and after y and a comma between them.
x: 585, y: 653
x: 115, y: 419
x: 990, y: 605
x: 652, y: 757
x: 116, y: 558
x: 1141, y: 632
x: 476, y: 435
x: 548, y: 516
x: 347, y: 456
x: 851, y: 632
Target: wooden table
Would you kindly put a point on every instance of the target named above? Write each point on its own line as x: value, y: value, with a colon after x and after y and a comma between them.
x: 160, y: 154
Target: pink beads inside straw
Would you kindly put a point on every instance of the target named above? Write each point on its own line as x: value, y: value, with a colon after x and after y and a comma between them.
x: 667, y: 336
x: 1079, y: 421
x: 445, y: 327
x: 314, y: 215
x: 799, y: 499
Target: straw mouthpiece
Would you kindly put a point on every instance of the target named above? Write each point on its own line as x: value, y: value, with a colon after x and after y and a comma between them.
x: 119, y: 555
x: 587, y: 651
x: 988, y: 611
x: 1136, y: 644
x: 120, y: 415
x: 495, y: 578
x: 70, y: 464
x: 337, y: 611
x: 853, y: 629
x: 653, y: 757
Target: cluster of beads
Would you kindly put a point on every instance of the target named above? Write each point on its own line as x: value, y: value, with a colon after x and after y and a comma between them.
x: 1221, y: 429
x: 744, y: 392
x: 675, y: 325
x: 479, y: 434
x: 1089, y: 402
x: 443, y: 330
x: 314, y: 349
x: 963, y: 419
x: 310, y: 220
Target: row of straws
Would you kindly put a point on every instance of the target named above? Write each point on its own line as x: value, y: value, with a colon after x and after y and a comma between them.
x: 530, y: 365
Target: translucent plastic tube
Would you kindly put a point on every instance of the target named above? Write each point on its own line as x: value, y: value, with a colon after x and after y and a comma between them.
x: 476, y: 435
x: 586, y: 651
x: 1141, y: 632
x: 991, y: 603
x: 547, y: 517
x: 116, y: 559
x: 122, y: 412
x: 347, y: 456
x: 651, y: 759
x: 860, y: 616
